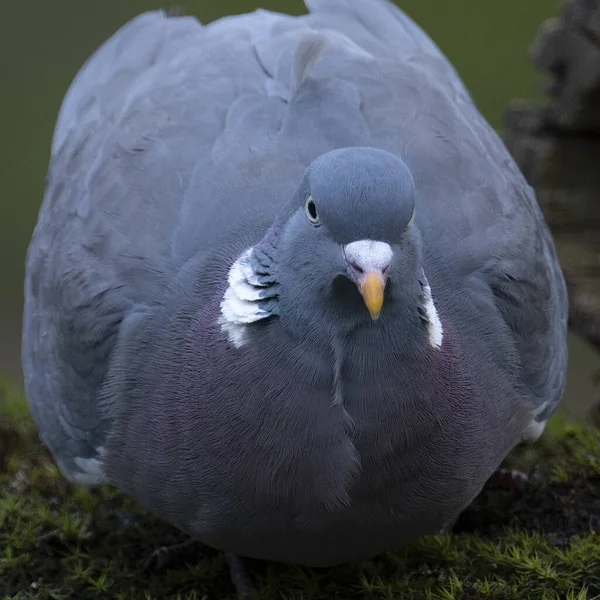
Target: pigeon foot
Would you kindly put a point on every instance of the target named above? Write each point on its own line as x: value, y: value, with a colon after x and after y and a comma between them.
x: 508, y: 478
x: 240, y: 576
x: 165, y: 556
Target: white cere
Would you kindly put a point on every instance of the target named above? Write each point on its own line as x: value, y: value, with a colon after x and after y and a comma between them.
x: 369, y: 254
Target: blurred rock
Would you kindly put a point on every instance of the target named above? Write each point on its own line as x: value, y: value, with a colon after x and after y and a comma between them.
x: 557, y: 146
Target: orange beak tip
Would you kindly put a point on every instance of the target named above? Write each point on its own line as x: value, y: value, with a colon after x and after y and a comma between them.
x: 372, y: 293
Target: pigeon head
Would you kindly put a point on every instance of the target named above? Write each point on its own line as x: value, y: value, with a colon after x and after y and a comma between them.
x: 343, y: 252
x: 351, y: 234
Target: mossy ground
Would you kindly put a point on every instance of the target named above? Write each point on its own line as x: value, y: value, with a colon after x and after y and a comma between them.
x: 60, y: 541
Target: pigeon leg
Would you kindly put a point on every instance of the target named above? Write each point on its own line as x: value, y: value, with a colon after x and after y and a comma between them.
x: 447, y: 528
x: 165, y: 555
x: 240, y: 575
x: 508, y: 478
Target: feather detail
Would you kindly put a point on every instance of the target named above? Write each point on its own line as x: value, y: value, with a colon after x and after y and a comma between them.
x: 244, y: 299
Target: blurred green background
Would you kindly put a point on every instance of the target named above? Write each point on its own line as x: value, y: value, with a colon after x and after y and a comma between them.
x: 43, y: 44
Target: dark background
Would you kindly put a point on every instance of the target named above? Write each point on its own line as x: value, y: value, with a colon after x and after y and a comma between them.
x: 43, y: 44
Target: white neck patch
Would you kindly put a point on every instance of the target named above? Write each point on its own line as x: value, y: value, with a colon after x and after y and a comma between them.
x: 241, y: 301
x: 434, y: 325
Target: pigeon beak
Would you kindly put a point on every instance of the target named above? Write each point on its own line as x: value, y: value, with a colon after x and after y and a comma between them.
x: 367, y: 265
x: 372, y: 288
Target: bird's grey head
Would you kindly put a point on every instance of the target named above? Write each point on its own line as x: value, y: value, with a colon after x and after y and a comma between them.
x: 344, y: 251
x: 350, y: 234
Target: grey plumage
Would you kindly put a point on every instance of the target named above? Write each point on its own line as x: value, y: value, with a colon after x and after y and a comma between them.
x: 322, y: 436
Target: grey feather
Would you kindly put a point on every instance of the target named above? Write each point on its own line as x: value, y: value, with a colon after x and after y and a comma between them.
x: 307, y: 53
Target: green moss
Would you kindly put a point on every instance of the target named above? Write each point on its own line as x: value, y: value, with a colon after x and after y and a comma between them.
x: 61, y: 541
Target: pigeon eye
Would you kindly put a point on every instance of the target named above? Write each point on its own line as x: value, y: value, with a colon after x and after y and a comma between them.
x: 311, y: 211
